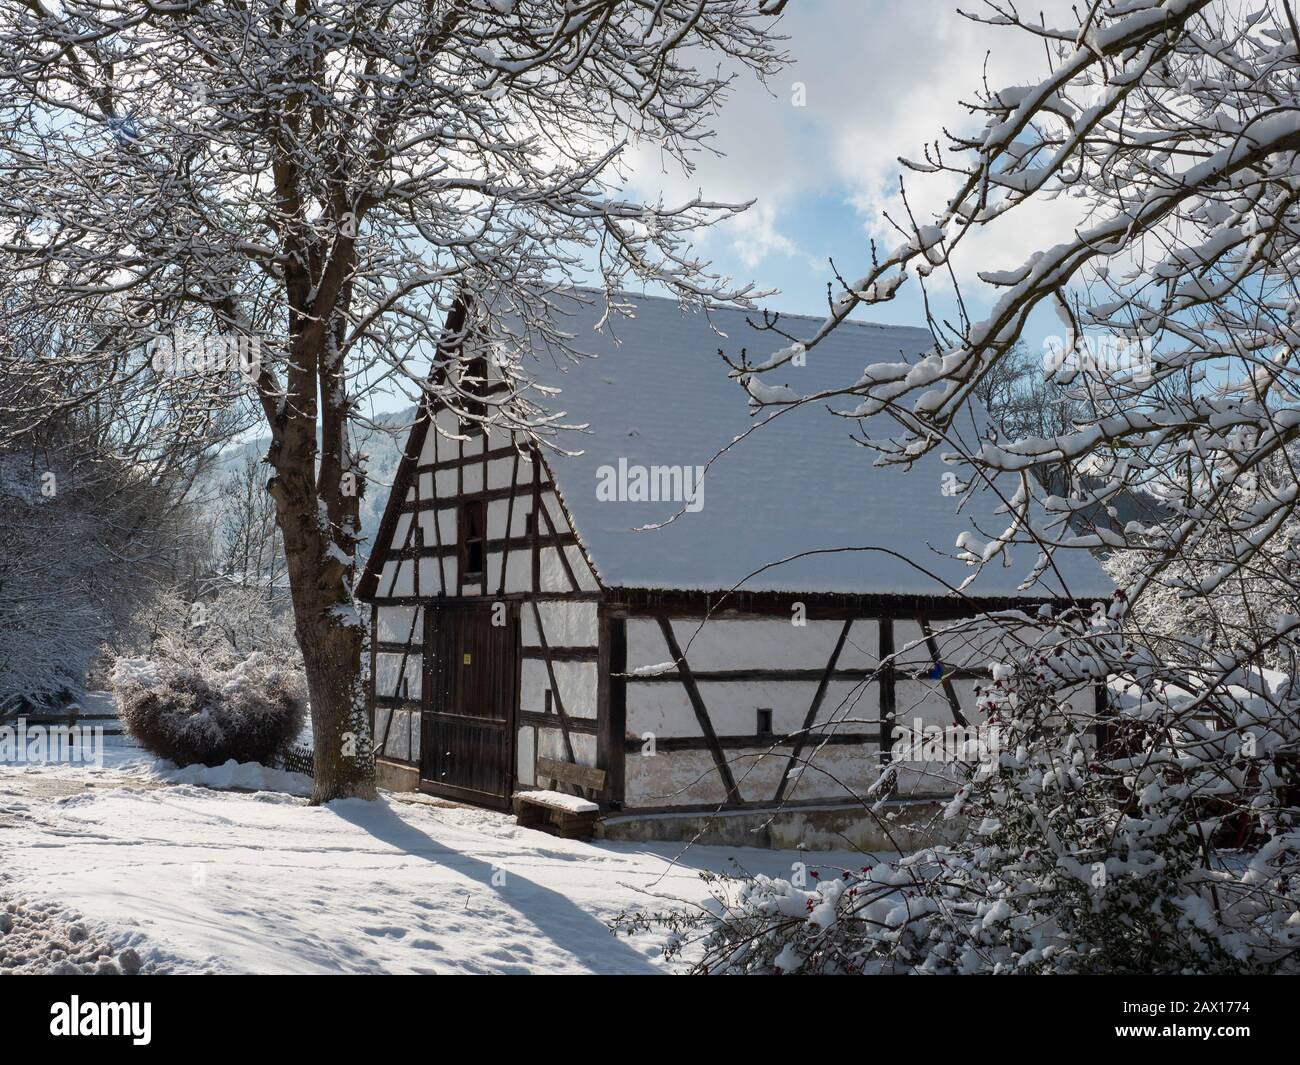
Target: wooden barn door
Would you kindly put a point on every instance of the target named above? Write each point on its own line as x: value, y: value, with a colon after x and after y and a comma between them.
x: 467, y: 746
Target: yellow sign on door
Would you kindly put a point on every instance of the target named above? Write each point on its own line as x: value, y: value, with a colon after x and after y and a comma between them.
x: 466, y: 659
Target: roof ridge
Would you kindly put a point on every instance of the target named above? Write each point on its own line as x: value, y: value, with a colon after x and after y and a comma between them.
x: 596, y: 290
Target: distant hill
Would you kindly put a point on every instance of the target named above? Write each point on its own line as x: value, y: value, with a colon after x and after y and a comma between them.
x: 383, y: 450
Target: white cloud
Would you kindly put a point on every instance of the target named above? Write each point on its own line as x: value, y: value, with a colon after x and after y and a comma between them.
x: 881, y: 78
x: 755, y: 236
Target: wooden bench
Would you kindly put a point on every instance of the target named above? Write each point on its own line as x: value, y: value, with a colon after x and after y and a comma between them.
x: 568, y: 816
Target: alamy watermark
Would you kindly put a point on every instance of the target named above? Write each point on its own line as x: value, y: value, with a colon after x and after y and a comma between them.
x: 631, y: 483
x: 945, y: 743
x: 1125, y: 358
x: 133, y: 1020
x: 45, y: 744
x: 200, y: 353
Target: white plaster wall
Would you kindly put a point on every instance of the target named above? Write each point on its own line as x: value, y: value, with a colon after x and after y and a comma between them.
x: 577, y: 683
x: 399, y: 624
x: 403, y: 734
x: 550, y: 744
x: 519, y: 574
x: 553, y: 577
x: 567, y: 623
x: 684, y: 778
x: 446, y: 483
x: 405, y: 578
x: 925, y: 699
x: 525, y: 752
x: 775, y: 644
x: 965, y: 643
x: 680, y: 778
x: 429, y: 452
x: 446, y: 530
x: 501, y: 470
x: 388, y: 668
x: 430, y: 582
x: 498, y: 511
x: 578, y: 563
x: 665, y: 709
x: 754, y: 643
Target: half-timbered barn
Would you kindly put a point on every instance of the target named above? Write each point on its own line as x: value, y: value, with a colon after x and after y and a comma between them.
x: 678, y: 639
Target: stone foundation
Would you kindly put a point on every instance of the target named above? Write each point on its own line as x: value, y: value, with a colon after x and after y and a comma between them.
x: 912, y: 824
x: 394, y: 776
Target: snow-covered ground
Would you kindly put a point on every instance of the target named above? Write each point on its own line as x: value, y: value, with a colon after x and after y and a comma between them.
x: 203, y: 880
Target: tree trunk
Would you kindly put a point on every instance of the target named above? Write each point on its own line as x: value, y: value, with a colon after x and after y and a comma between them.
x: 332, y: 658
x: 318, y: 507
x: 320, y: 560
x: 330, y: 635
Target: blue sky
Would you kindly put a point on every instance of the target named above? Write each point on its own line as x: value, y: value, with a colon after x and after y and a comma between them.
x: 878, y: 79
x: 817, y: 150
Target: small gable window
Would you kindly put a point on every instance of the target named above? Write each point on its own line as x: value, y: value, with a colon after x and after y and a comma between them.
x: 474, y: 383
x: 473, y: 538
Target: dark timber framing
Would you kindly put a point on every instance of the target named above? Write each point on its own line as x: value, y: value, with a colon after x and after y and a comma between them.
x: 701, y: 714
x: 555, y: 687
x: 888, y: 700
x: 813, y: 707
x: 548, y: 531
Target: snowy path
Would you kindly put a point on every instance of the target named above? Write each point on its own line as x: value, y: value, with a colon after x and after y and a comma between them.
x: 202, y: 880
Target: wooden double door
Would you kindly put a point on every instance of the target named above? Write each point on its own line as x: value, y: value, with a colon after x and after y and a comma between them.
x: 471, y: 664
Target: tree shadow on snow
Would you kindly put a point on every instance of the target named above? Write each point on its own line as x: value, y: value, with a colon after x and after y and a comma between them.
x: 565, y: 924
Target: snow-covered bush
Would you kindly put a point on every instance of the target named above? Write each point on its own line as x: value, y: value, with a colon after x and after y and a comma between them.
x: 1160, y: 834
x: 192, y: 710
x: 212, y: 618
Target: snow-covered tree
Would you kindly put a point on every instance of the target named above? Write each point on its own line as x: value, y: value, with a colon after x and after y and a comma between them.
x: 249, y: 550
x: 84, y: 545
x: 1175, y: 125
x: 96, y: 470
x: 1022, y: 403
x: 300, y: 192
x: 1157, y: 831
x: 50, y: 624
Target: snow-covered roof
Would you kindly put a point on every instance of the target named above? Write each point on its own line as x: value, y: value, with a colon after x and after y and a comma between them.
x: 658, y: 394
